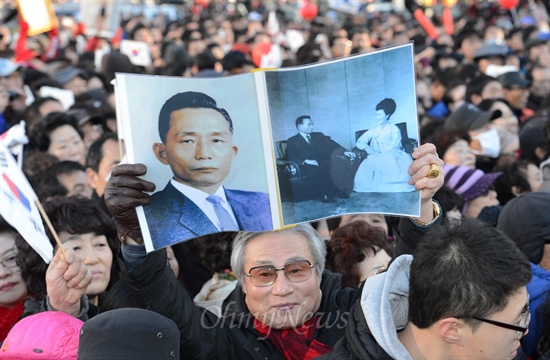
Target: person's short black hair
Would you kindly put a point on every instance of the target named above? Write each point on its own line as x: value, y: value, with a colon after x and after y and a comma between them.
x: 66, y: 167
x: 187, y: 100
x: 205, y: 60
x: 444, y: 139
x: 95, y: 151
x: 333, y: 39
x: 467, y: 269
x: 309, y: 53
x: 466, y: 72
x: 46, y: 184
x: 510, y: 34
x: 32, y: 113
x: 215, y: 251
x: 40, y: 135
x: 477, y: 84
x: 300, y: 119
x: 467, y: 33
x: 78, y: 215
x: 514, y: 175
x: 135, y: 29
x: 444, y: 77
x: 527, y: 33
x: 448, y: 199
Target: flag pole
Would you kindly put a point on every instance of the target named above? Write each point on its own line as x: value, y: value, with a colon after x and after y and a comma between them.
x: 49, y: 223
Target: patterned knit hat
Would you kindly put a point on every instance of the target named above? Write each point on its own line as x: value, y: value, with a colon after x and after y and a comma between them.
x: 467, y: 182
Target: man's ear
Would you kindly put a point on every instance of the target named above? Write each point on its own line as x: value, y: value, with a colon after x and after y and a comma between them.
x: 92, y: 177
x: 235, y: 151
x: 160, y: 153
x: 450, y: 330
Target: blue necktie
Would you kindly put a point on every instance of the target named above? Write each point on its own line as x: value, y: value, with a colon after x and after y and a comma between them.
x: 225, y: 219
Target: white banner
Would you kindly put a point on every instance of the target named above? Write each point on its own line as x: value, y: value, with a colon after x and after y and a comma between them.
x: 17, y: 205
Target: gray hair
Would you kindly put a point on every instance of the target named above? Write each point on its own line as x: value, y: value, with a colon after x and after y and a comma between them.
x: 316, y: 246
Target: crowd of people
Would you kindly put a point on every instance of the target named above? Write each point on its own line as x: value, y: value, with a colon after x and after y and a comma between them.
x: 468, y: 278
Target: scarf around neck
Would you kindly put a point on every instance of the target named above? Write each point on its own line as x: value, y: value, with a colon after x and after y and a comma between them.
x: 296, y: 343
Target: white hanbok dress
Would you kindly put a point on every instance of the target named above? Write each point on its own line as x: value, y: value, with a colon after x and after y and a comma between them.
x: 386, y: 168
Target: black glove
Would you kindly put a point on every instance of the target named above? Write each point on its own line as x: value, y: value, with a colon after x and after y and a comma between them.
x: 123, y: 193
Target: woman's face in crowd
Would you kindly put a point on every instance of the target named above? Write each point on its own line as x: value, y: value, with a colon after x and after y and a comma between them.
x: 461, y: 154
x: 95, y: 253
x: 66, y: 144
x: 12, y: 286
x: 373, y: 263
x: 474, y: 207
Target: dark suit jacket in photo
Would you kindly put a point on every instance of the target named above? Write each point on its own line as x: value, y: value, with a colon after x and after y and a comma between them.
x: 316, y: 179
x: 322, y: 147
x: 172, y: 217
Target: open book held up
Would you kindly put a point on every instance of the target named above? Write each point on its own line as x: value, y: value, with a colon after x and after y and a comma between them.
x: 272, y: 148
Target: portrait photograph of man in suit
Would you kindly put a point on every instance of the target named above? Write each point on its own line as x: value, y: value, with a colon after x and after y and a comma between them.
x: 197, y: 145
x: 201, y: 142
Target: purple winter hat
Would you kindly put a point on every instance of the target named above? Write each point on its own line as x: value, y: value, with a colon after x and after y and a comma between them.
x: 467, y: 182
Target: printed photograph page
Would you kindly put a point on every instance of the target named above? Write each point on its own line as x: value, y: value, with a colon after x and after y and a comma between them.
x: 201, y: 142
x: 343, y: 132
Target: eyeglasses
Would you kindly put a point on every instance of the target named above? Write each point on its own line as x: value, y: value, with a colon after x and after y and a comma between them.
x: 521, y: 327
x: 10, y: 261
x: 295, y: 271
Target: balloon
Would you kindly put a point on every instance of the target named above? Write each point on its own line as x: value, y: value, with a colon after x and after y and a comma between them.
x: 259, y: 51
x: 508, y: 4
x: 448, y: 23
x: 309, y: 11
x: 449, y: 3
x: 426, y: 23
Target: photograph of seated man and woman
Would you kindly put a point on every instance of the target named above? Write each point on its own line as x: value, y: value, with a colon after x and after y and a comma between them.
x: 343, y: 144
